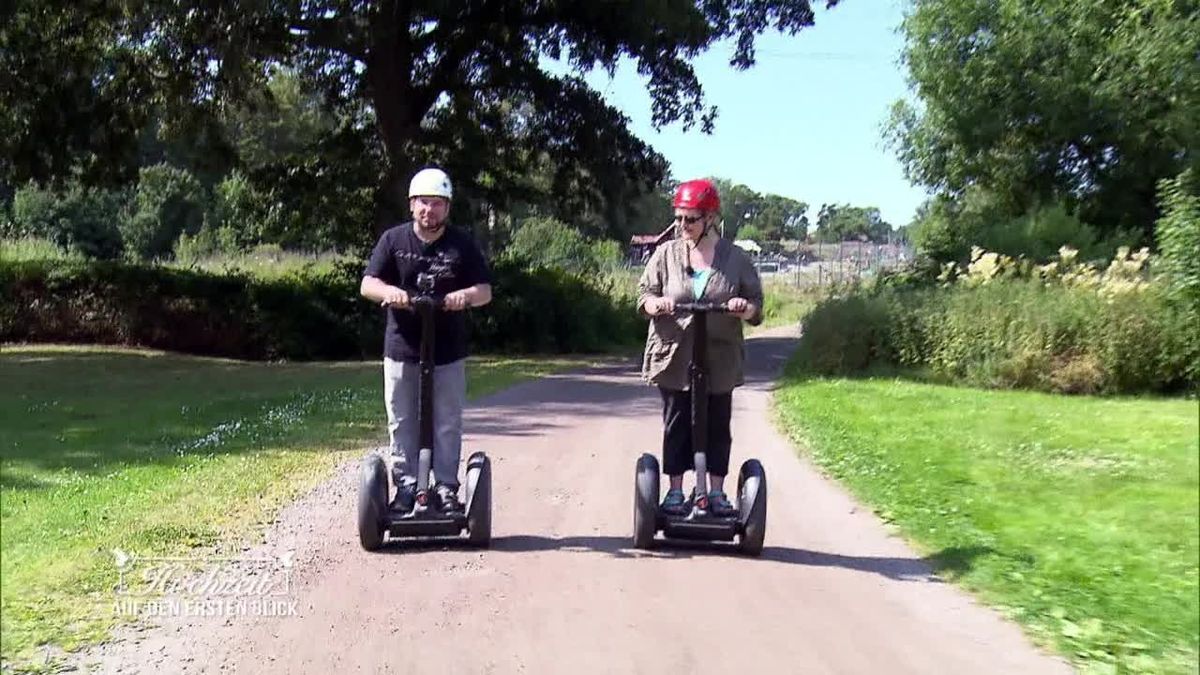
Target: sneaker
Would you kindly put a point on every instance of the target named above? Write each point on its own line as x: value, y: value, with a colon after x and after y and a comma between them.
x: 447, y: 497
x: 674, y: 502
x: 405, y: 499
x: 718, y: 504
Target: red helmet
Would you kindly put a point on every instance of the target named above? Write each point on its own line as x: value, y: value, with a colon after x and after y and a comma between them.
x: 697, y: 194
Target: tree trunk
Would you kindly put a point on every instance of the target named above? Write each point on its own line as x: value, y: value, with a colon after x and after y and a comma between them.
x: 389, y: 77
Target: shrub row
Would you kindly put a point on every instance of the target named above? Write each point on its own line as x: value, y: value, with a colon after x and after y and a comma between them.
x: 311, y: 315
x: 1012, y: 333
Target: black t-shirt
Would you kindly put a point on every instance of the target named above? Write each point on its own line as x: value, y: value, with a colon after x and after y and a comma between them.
x: 455, y: 262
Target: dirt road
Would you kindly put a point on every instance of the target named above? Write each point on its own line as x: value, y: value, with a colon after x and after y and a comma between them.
x: 560, y: 590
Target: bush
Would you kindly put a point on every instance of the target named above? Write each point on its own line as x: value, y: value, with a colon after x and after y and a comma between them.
x: 313, y: 313
x: 207, y: 243
x: 1010, y: 333
x: 240, y: 213
x: 946, y: 230
x: 1178, y: 234
x: 168, y: 202
x: 545, y: 242
x: 310, y: 203
x: 179, y: 310
x: 1039, y: 234
x: 545, y: 309
x: 78, y: 219
x: 844, y: 335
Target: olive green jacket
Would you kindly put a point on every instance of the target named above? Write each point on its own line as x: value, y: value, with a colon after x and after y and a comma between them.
x: 669, y: 339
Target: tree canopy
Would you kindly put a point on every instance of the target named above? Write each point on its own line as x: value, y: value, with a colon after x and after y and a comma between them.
x: 1087, y: 103
x: 461, y: 84
x: 770, y: 217
x: 842, y: 222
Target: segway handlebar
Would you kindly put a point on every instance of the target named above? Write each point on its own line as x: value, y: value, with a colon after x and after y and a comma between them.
x: 434, y: 301
x: 701, y: 307
x: 425, y: 297
x: 415, y: 302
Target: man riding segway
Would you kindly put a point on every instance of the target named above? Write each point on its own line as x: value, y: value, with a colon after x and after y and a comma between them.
x: 448, y: 261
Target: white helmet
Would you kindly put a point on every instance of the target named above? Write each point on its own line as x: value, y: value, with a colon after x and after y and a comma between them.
x: 430, y: 183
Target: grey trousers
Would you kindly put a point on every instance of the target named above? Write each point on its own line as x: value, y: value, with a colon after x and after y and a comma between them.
x: 402, y: 397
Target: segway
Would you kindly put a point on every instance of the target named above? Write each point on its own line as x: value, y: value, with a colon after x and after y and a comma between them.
x: 748, y: 524
x: 375, y: 516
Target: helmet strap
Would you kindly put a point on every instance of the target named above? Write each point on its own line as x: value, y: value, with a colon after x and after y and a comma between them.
x: 708, y: 230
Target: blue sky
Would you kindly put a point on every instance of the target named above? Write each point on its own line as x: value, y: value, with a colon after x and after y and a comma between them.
x: 805, y: 122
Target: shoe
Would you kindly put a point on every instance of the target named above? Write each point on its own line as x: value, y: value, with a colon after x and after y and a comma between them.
x: 405, y: 499
x: 448, y: 499
x: 406, y: 495
x: 718, y: 504
x: 674, y: 502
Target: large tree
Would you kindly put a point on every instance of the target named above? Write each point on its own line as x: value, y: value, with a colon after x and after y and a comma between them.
x: 842, y: 222
x: 1087, y: 102
x: 771, y: 217
x: 440, y: 78
x: 782, y: 218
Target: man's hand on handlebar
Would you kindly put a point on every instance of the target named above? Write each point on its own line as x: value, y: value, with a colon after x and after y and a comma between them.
x: 395, y: 298
x: 457, y: 301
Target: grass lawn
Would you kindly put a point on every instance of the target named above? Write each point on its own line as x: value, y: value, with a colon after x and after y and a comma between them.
x: 156, y: 453
x: 1078, y: 517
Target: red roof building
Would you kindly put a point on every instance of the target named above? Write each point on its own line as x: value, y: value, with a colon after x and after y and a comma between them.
x: 642, y: 245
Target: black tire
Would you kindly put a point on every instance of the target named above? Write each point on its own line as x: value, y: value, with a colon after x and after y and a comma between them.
x: 752, y: 505
x: 479, y: 500
x: 372, y: 502
x: 645, y: 502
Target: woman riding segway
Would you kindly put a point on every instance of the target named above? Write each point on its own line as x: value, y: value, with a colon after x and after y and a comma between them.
x: 697, y: 266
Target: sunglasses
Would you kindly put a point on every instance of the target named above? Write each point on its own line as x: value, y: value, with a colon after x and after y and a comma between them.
x: 688, y: 219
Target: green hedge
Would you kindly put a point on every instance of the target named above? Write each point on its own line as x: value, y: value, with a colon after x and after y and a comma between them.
x: 1013, y: 333
x: 312, y: 316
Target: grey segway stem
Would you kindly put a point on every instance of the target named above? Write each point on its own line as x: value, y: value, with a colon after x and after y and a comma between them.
x: 424, y: 305
x: 424, y: 465
x: 698, y: 376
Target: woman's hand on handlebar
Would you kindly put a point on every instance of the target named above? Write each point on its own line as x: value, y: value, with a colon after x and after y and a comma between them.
x: 395, y: 298
x: 741, y: 307
x: 656, y: 306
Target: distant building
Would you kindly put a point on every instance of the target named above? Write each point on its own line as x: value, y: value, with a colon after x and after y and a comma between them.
x: 748, y: 245
x: 641, y: 246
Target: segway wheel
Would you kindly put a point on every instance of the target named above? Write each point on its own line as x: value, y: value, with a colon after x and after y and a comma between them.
x: 645, y: 502
x: 479, y: 499
x: 752, y: 505
x: 372, y: 502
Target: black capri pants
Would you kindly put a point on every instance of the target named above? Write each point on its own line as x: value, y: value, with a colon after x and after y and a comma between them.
x: 677, y: 432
